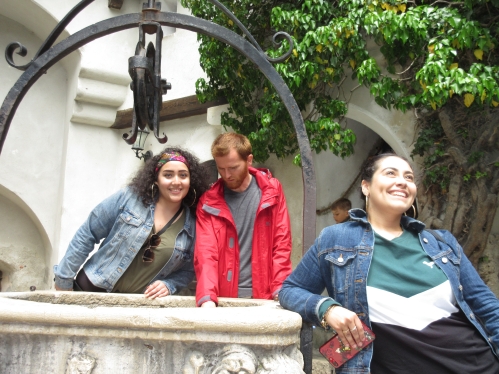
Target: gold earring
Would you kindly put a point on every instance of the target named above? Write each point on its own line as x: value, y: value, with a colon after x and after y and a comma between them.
x: 152, y: 191
x: 367, y: 203
x: 413, y: 212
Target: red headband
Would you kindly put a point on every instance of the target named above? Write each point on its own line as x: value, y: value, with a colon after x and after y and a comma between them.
x: 170, y: 156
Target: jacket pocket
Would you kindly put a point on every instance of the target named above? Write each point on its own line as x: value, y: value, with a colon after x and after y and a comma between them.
x: 127, y: 221
x: 123, y: 233
x: 342, y: 264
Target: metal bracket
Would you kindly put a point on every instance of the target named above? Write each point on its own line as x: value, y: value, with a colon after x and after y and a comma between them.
x: 147, y: 85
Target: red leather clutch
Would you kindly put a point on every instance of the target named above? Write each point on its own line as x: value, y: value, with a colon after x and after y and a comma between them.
x: 337, y: 354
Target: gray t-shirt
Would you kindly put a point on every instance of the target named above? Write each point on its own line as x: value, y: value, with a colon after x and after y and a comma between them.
x: 243, y: 206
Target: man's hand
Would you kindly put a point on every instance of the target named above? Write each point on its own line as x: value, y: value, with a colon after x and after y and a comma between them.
x: 156, y: 289
x: 208, y: 304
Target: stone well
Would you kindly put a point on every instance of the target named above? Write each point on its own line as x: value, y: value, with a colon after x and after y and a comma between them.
x: 80, y: 332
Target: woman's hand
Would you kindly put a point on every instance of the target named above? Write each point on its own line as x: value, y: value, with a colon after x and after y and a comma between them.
x: 208, y: 304
x: 156, y: 289
x: 347, y: 325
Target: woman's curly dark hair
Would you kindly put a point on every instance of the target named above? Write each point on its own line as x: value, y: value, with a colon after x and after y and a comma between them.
x: 145, y: 177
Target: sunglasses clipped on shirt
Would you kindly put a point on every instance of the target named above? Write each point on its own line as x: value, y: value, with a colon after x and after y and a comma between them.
x: 155, y: 239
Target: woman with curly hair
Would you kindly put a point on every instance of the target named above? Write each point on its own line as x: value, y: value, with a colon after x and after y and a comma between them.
x: 148, y: 230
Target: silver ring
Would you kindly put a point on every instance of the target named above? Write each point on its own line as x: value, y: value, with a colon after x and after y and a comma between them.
x: 355, y: 328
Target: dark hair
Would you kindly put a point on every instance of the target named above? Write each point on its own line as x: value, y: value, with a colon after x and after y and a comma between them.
x: 371, y: 165
x: 230, y: 140
x: 342, y: 203
x: 146, y: 176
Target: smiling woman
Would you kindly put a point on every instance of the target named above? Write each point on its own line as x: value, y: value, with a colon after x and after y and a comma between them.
x: 414, y: 287
x: 390, y: 191
x: 148, y: 230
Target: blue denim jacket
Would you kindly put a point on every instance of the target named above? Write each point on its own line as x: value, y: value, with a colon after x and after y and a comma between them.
x: 124, y: 223
x: 345, y: 281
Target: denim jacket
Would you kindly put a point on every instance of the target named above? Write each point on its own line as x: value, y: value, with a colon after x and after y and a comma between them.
x: 345, y: 280
x: 124, y: 223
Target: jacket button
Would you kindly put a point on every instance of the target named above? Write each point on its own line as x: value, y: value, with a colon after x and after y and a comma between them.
x: 461, y: 287
x: 127, y: 219
x: 425, y: 240
x: 472, y: 316
x: 444, y: 260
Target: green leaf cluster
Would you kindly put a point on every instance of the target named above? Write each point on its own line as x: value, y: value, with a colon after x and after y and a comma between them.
x: 434, y: 52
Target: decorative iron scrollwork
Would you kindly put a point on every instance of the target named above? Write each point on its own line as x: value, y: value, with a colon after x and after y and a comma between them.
x: 279, y: 35
x: 22, y: 51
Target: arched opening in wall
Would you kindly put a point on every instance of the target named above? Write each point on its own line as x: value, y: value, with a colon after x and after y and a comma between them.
x: 340, y: 178
x: 23, y: 263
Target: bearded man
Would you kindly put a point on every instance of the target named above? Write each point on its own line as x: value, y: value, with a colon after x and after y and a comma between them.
x: 243, y: 237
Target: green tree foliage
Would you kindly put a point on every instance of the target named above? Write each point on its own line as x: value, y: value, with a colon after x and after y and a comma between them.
x: 255, y: 108
x: 440, y: 60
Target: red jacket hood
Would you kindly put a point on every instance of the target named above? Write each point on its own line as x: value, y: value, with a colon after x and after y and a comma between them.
x: 263, y: 179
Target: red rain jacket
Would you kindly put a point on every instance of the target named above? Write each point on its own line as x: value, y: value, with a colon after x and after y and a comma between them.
x: 216, y: 254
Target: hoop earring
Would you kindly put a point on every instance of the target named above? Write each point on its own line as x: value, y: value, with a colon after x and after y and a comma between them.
x: 413, y: 212
x: 195, y: 196
x: 152, y: 191
x: 414, y: 215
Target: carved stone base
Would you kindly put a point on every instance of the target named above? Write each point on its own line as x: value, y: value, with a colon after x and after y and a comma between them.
x: 91, y: 333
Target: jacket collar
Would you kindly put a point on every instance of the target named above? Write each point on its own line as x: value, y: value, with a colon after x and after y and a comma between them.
x: 189, y: 225
x: 407, y: 222
x: 214, y: 201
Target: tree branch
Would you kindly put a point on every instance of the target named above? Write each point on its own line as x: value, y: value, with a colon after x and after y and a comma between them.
x: 457, y: 156
x: 461, y: 214
x: 447, y: 2
x: 452, y: 200
x: 451, y: 134
x: 486, y: 204
x: 406, y: 70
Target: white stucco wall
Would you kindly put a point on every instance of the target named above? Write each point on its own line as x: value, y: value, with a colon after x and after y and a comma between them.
x: 32, y: 157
